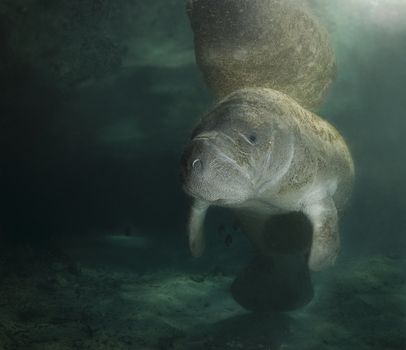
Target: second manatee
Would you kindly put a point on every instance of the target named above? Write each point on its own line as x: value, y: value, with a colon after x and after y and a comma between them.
x: 276, y: 44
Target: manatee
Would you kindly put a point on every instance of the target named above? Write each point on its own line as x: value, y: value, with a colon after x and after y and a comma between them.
x: 261, y: 154
x: 276, y: 44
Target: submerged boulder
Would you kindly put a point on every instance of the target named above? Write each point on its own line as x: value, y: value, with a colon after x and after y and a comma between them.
x: 275, y: 44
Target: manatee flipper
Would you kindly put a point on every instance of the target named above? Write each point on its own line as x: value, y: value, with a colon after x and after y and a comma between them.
x: 326, y: 241
x: 195, y: 229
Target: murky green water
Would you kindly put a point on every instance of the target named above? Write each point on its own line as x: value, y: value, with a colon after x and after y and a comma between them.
x: 98, y: 100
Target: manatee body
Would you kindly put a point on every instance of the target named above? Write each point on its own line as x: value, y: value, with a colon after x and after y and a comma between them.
x: 259, y: 152
x: 275, y: 44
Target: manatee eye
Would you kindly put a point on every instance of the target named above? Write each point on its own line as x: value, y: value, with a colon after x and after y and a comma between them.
x: 252, y: 139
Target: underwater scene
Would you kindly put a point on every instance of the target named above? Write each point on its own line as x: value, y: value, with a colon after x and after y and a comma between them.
x: 202, y: 175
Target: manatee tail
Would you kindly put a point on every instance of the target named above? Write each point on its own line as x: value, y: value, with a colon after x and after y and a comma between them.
x: 274, y: 284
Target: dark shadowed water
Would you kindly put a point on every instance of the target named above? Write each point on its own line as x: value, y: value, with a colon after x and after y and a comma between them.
x: 98, y: 99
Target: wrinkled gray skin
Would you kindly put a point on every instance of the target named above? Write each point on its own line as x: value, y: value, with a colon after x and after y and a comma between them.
x: 261, y: 153
x: 276, y: 44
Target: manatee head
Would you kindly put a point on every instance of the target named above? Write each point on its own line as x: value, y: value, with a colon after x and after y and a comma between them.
x: 234, y: 152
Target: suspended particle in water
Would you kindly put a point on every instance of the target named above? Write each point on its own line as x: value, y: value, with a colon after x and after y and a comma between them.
x: 221, y: 229
x: 228, y: 240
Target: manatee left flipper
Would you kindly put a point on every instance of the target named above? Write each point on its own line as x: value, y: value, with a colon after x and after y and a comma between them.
x: 195, y: 229
x: 326, y: 241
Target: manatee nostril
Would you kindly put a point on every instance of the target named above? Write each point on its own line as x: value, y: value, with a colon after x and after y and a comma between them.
x: 197, y: 164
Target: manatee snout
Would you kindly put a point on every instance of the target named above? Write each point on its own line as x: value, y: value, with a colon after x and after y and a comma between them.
x: 195, y: 168
x: 210, y: 172
x: 194, y: 160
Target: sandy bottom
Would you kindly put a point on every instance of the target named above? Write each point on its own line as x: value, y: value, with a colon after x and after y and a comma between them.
x: 51, y: 301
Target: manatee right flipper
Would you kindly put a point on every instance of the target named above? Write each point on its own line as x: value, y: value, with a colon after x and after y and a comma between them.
x: 196, y: 225
x: 326, y: 241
